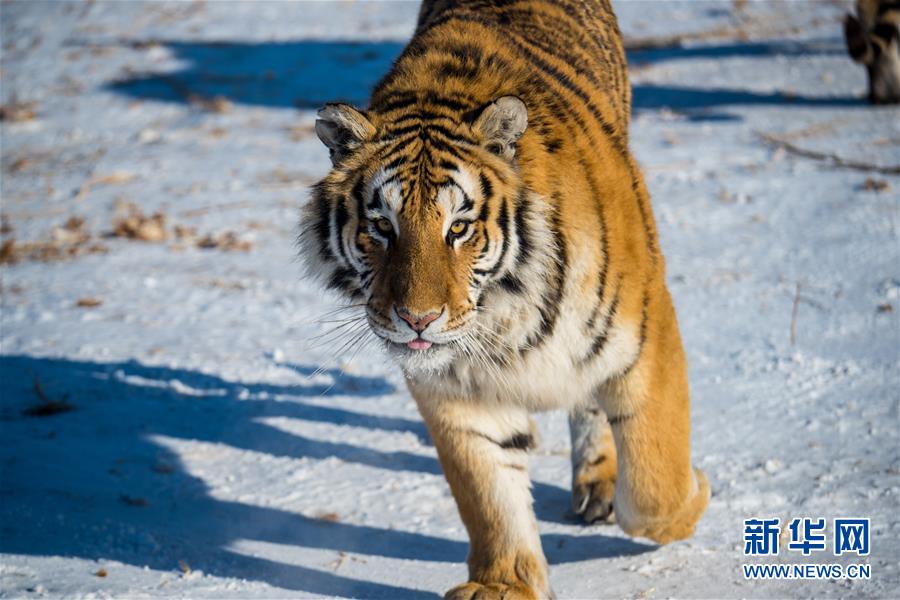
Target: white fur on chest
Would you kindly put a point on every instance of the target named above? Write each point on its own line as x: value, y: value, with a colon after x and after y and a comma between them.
x: 547, y: 377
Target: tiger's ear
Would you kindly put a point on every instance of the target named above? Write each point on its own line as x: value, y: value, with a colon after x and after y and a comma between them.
x: 342, y: 128
x: 501, y: 124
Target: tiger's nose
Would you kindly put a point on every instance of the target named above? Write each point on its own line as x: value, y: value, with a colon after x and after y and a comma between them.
x: 416, y: 321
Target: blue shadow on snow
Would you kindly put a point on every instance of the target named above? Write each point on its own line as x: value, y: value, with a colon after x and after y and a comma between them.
x: 307, y: 74
x: 69, y: 482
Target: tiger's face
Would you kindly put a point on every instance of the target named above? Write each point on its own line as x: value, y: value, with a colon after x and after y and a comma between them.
x: 415, y: 222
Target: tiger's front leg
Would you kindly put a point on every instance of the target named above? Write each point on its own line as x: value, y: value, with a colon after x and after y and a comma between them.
x: 483, y: 452
x: 658, y: 493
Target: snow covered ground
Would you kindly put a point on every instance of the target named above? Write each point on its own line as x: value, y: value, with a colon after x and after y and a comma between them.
x: 196, y: 450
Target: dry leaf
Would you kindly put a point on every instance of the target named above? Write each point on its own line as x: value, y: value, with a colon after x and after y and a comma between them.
x: 70, y: 233
x: 331, y: 517
x: 20, y: 164
x: 73, y: 224
x: 887, y: 307
x: 875, y: 185
x: 18, y: 112
x: 8, y: 254
x: 118, y: 177
x: 216, y: 104
x: 101, y: 572
x: 183, y: 232
x: 137, y: 226
x: 89, y: 302
x: 227, y: 241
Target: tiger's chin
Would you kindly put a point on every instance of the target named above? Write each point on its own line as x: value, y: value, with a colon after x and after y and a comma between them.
x: 416, y: 363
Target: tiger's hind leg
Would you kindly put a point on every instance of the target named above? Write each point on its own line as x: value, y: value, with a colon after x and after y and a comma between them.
x: 593, y: 465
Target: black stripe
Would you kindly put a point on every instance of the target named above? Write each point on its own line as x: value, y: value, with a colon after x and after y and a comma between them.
x: 512, y: 284
x: 483, y: 215
x: 341, y: 217
x: 503, y: 223
x: 523, y: 253
x: 465, y: 71
x: 378, y: 197
x: 885, y: 32
x: 884, y: 7
x: 396, y: 101
x: 619, y: 419
x: 645, y: 305
x: 322, y: 222
x: 485, y: 246
x: 422, y: 117
x: 602, y: 337
x: 520, y: 441
x: 549, y: 310
x: 342, y: 280
x: 400, y: 131
x: 604, y: 244
x: 395, y: 163
x: 487, y: 189
x: 453, y: 137
x: 449, y: 103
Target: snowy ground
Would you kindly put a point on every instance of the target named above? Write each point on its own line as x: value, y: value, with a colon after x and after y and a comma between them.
x: 203, y: 456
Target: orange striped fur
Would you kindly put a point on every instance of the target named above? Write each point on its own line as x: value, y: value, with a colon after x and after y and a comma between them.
x: 488, y: 213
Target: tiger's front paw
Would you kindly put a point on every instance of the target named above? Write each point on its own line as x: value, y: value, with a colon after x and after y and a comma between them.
x: 491, y: 591
x: 593, y: 489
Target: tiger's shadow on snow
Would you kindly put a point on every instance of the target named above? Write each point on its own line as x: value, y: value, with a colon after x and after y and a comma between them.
x: 100, y: 483
x: 308, y: 73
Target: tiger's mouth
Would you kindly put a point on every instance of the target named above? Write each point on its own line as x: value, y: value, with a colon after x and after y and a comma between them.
x: 419, y: 344
x: 420, y: 357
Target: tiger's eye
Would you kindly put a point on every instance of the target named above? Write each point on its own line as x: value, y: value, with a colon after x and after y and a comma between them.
x: 383, y: 226
x: 459, y: 227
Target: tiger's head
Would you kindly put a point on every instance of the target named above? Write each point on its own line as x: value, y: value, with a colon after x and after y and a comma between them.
x: 416, y: 220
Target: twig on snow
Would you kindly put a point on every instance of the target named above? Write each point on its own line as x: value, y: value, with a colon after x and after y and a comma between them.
x: 794, y: 311
x: 834, y: 159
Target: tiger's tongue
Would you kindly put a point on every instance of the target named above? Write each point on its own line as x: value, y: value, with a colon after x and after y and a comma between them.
x: 419, y: 345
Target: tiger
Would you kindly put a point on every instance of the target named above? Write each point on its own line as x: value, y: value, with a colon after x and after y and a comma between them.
x: 873, y: 39
x: 487, y: 215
